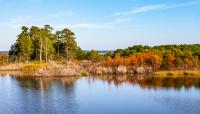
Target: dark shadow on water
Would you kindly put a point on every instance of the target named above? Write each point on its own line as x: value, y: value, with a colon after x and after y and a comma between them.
x: 44, y: 84
x: 144, y: 81
x: 151, y: 82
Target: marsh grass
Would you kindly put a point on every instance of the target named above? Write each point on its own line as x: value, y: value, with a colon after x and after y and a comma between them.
x: 33, y: 66
x: 194, y: 73
x: 26, y: 69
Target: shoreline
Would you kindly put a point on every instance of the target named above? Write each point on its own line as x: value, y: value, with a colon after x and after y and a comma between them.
x: 178, y: 73
x: 87, y: 69
x: 76, y: 68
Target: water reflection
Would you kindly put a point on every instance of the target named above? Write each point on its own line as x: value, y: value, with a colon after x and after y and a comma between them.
x: 145, y: 82
x: 99, y: 94
x: 30, y: 95
x: 151, y: 82
x: 46, y: 83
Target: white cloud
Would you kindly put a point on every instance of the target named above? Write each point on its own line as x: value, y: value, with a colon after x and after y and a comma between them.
x: 140, y: 10
x: 108, y: 25
x: 181, y: 5
x: 52, y: 16
x: 18, y: 22
x: 121, y: 20
x: 84, y: 26
x: 153, y: 7
x: 94, y: 26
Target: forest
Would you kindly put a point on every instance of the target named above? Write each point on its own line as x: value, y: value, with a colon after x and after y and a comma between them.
x: 163, y: 57
x: 44, y: 45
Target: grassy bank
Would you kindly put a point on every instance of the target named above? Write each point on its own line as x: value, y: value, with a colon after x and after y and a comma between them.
x: 22, y: 66
x: 52, y: 69
x: 21, y: 69
x: 71, y: 68
x: 178, y: 73
x: 84, y: 68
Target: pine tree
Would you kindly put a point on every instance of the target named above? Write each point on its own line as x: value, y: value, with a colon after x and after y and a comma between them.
x: 24, y: 44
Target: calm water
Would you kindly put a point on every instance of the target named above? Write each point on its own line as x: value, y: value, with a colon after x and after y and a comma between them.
x: 105, y: 94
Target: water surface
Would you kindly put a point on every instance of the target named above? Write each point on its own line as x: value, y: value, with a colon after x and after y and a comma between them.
x: 105, y: 94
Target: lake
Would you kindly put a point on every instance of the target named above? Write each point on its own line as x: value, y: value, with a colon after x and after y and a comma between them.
x: 99, y: 95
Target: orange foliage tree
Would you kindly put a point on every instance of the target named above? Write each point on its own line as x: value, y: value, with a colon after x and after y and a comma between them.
x: 133, y: 60
x: 156, y: 61
x: 170, y: 61
x: 118, y: 60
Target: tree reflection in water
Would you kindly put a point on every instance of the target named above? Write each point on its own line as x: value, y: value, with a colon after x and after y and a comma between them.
x: 44, y: 84
x: 50, y: 95
x: 63, y: 95
x: 151, y: 82
x: 145, y: 82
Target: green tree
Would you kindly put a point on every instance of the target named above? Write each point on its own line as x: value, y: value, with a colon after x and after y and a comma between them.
x: 94, y: 56
x: 59, y: 43
x: 24, y: 44
x: 80, y: 54
x: 37, y: 39
x: 49, y: 41
x: 70, y: 45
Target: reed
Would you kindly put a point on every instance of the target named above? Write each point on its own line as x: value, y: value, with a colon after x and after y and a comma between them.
x: 22, y: 69
x: 178, y: 73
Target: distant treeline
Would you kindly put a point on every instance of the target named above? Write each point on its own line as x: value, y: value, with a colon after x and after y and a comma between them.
x: 3, y: 52
x: 164, y: 57
x: 3, y: 58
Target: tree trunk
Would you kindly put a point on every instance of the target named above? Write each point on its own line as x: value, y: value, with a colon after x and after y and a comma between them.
x: 67, y: 54
x: 18, y: 57
x: 27, y: 58
x: 41, y: 51
x: 46, y: 51
x: 58, y: 49
x: 51, y: 57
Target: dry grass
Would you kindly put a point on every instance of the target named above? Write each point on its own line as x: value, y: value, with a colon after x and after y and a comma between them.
x: 33, y: 66
x: 22, y: 66
x: 43, y: 69
x: 60, y: 70
x: 21, y: 69
x: 11, y: 67
x: 179, y: 73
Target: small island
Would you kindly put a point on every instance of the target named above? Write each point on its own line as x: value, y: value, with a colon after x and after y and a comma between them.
x: 100, y: 57
x: 42, y: 52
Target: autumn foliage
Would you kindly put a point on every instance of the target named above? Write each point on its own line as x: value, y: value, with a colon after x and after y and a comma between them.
x: 169, y: 57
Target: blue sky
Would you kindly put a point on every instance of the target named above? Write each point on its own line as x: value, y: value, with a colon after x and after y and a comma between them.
x: 106, y: 24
